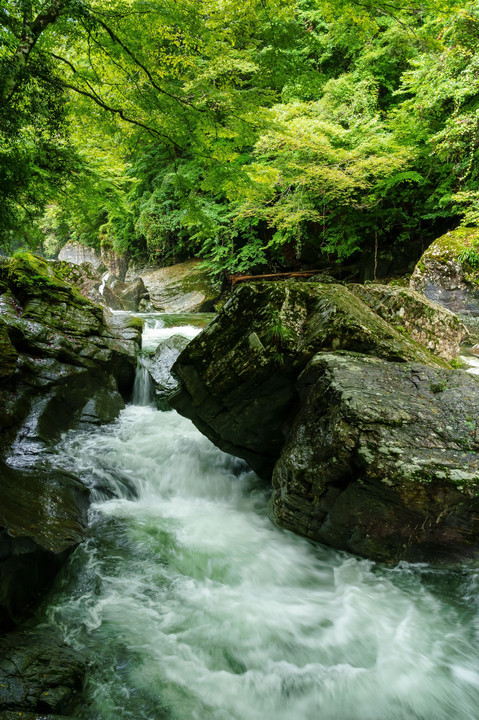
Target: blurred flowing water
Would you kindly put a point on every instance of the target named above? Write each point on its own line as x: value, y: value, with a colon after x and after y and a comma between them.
x: 195, y: 607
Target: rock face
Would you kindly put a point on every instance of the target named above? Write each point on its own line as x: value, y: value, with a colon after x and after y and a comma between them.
x: 63, y: 363
x: 383, y: 460
x: 43, y: 516
x: 424, y: 321
x: 105, y: 289
x: 62, y: 360
x: 164, y: 384
x: 447, y: 273
x: 180, y: 288
x: 238, y: 376
x: 40, y: 675
x: 372, y: 438
x: 76, y: 253
x: 130, y: 296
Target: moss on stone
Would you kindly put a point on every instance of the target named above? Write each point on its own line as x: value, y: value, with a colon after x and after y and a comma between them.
x: 29, y: 276
x: 134, y: 322
x: 450, y: 245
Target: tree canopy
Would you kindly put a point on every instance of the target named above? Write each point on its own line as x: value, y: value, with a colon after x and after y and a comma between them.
x: 253, y: 133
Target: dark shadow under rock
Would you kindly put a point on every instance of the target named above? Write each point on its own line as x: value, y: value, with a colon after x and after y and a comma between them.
x: 43, y: 517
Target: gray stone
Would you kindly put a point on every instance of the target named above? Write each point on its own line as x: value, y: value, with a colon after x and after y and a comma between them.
x: 383, y: 460
x: 164, y: 383
x: 238, y: 376
x: 426, y: 322
x: 185, y: 287
x: 76, y: 253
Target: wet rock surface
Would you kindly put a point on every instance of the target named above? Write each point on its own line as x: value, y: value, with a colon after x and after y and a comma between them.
x: 40, y: 677
x: 383, y: 460
x: 238, y: 376
x: 164, y: 384
x: 373, y: 439
x: 64, y: 363
x: 43, y: 516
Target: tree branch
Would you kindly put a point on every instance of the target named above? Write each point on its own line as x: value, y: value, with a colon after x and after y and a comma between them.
x: 138, y: 62
x: 113, y: 110
x: 30, y: 34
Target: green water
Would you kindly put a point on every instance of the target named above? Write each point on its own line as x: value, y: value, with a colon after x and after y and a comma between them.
x: 193, y: 606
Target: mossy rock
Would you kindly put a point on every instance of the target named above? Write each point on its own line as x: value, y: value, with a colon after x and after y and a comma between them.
x: 383, y: 460
x: 46, y: 297
x: 29, y: 276
x: 428, y: 323
x: 238, y: 376
x: 448, y: 273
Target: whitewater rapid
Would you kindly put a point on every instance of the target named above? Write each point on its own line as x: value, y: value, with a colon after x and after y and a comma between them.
x: 192, y: 605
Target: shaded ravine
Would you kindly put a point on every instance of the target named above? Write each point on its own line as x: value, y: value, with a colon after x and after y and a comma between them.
x: 192, y: 605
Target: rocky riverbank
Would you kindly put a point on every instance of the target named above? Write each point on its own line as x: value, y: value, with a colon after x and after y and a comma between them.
x: 64, y: 363
x: 370, y: 437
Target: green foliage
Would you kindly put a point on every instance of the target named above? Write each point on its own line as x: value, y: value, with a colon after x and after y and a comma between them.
x: 470, y: 255
x: 251, y: 134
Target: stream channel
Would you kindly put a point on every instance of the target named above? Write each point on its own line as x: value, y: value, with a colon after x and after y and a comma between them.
x: 194, y: 606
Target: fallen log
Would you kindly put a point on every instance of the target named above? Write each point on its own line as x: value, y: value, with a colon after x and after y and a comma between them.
x: 236, y: 279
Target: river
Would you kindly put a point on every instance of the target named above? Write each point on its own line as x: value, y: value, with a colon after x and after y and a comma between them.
x: 194, y: 606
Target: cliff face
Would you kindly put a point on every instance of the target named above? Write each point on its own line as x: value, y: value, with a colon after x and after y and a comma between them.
x: 63, y: 363
x: 369, y: 436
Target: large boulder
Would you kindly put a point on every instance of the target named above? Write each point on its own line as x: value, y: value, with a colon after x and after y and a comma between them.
x: 183, y: 288
x: 238, y: 376
x: 448, y: 274
x: 43, y: 517
x: 428, y: 323
x: 130, y: 295
x: 159, y: 368
x: 383, y: 460
x: 63, y: 360
x: 41, y: 677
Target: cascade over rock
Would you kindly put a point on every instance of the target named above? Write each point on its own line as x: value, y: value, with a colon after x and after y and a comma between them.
x: 374, y: 448
x: 238, y: 376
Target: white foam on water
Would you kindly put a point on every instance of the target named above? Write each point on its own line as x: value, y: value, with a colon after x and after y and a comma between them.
x: 198, y: 607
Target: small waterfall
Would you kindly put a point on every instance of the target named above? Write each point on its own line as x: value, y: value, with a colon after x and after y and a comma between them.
x: 103, y: 283
x: 143, y: 386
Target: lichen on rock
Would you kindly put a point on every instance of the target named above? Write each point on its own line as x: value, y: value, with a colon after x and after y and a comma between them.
x: 428, y: 323
x: 238, y: 376
x: 383, y: 460
x: 448, y: 274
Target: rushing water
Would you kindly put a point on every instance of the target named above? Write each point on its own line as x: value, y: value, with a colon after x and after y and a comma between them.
x: 195, y: 607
